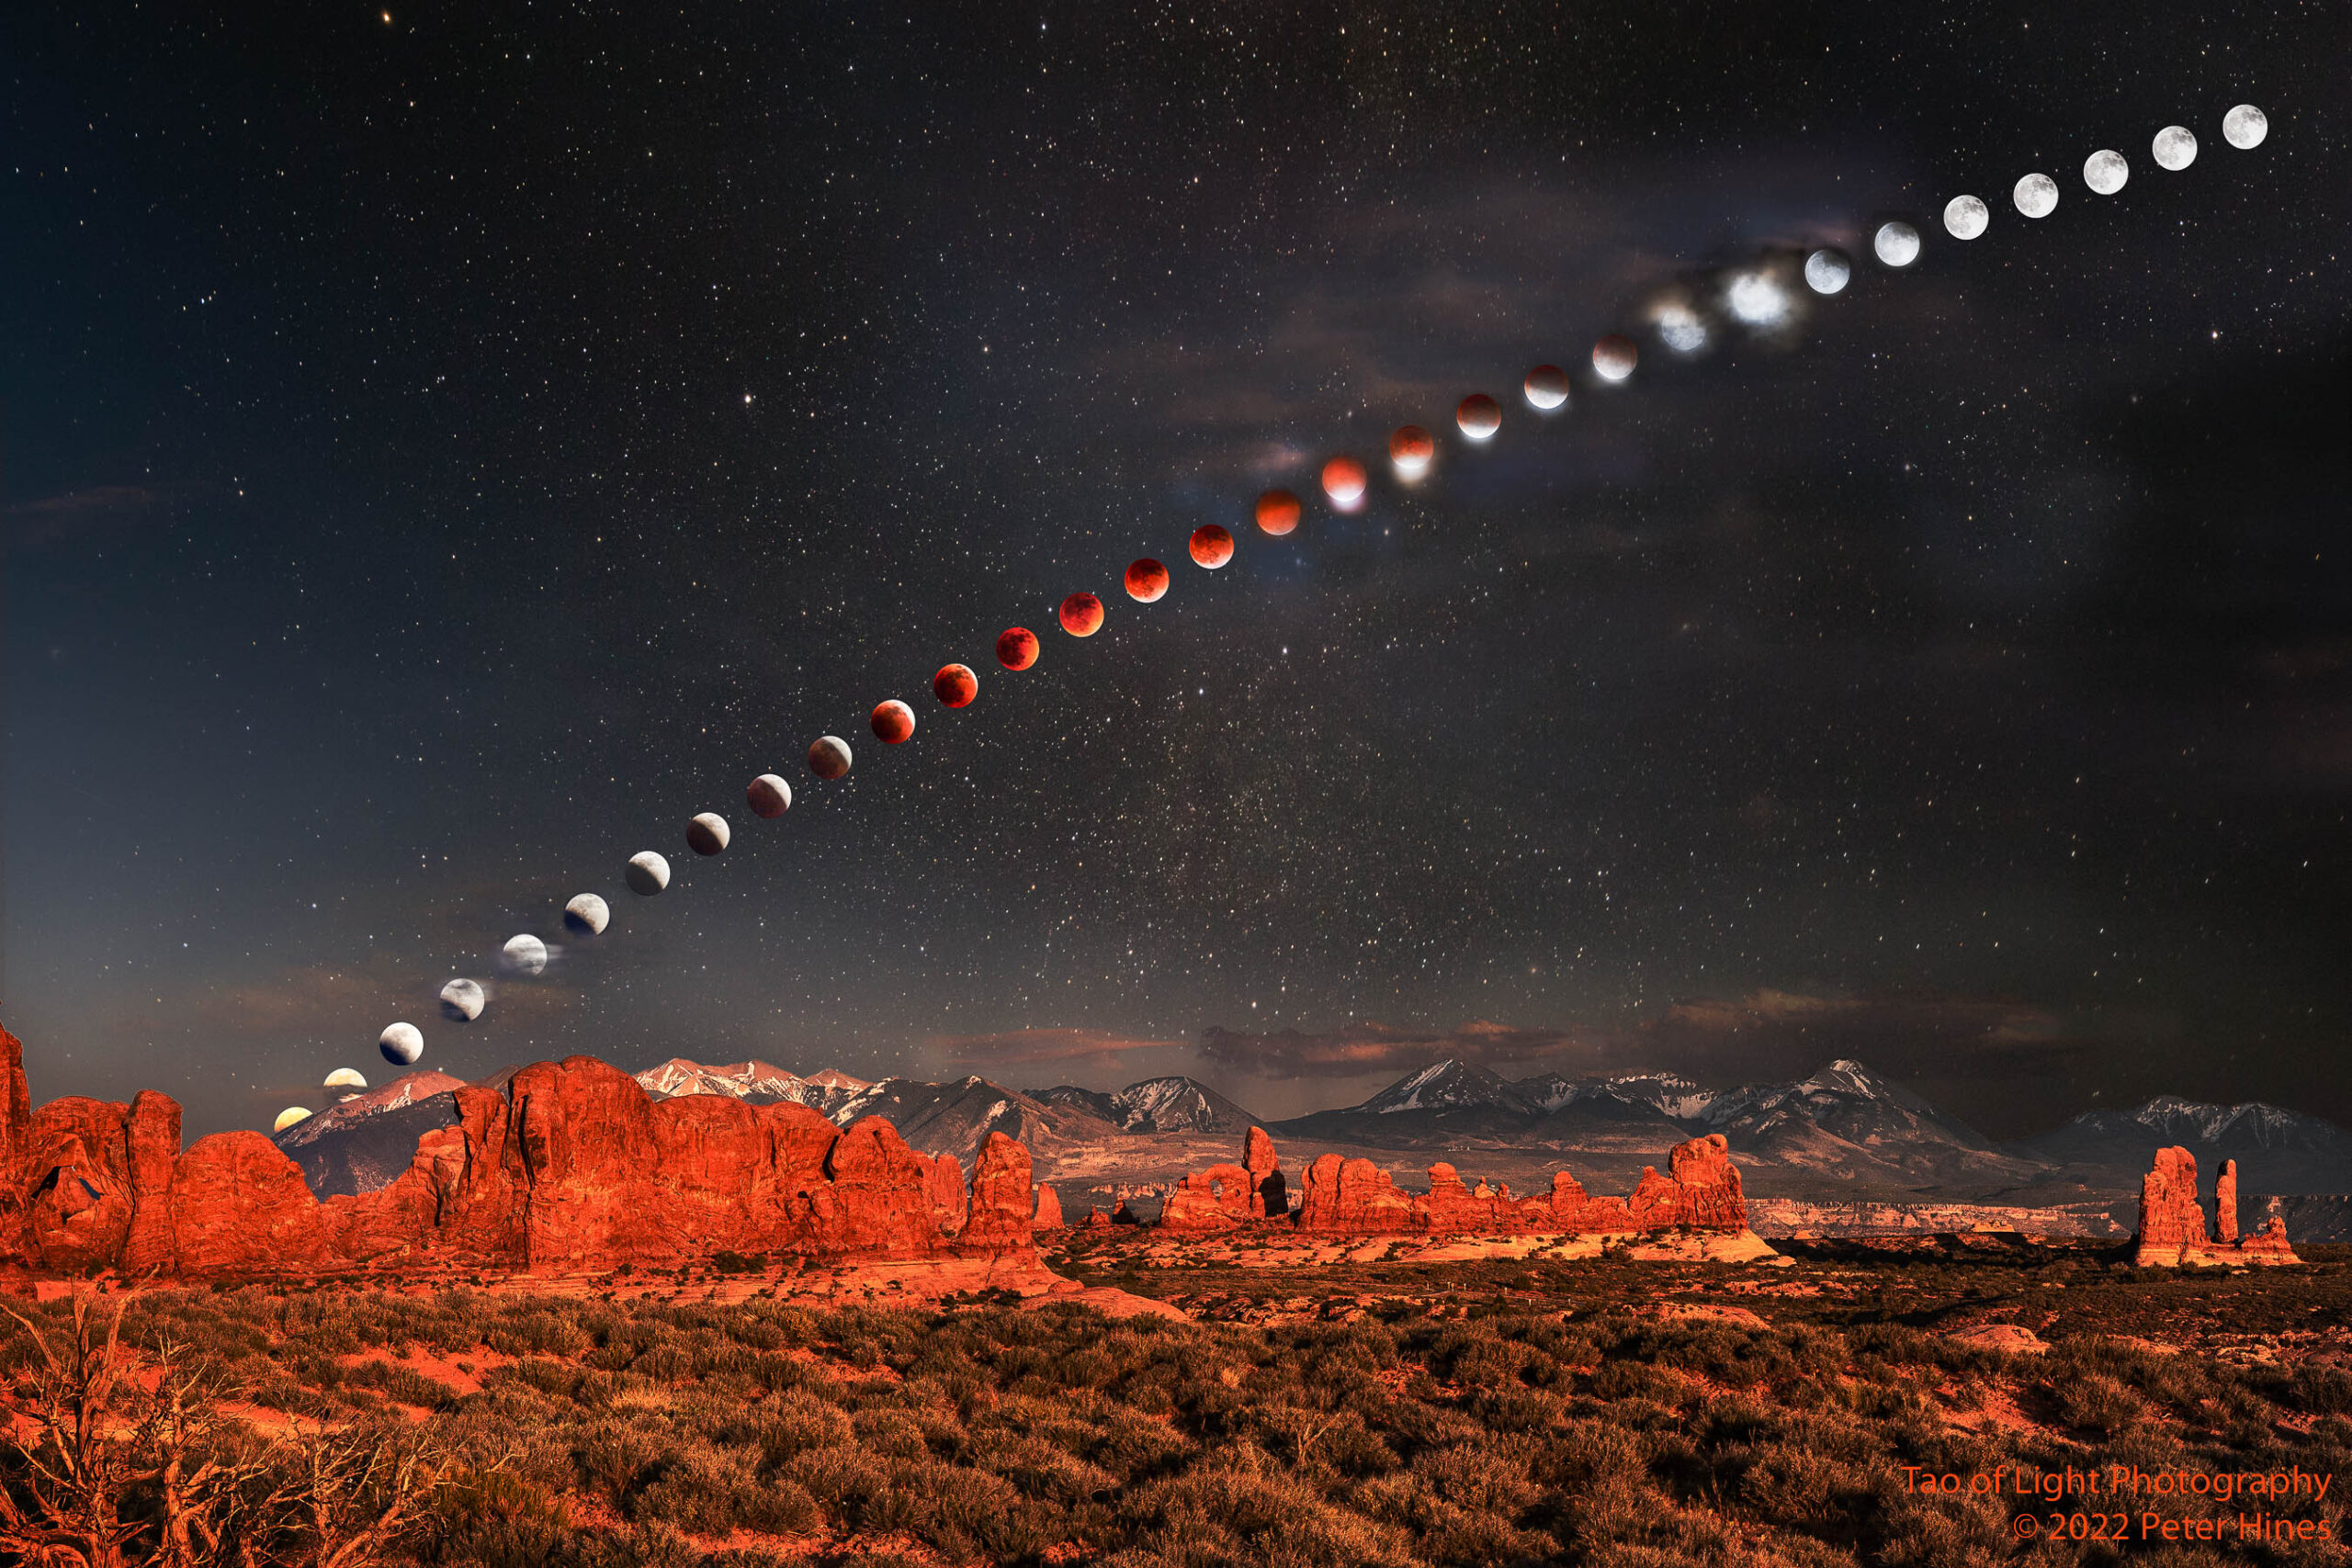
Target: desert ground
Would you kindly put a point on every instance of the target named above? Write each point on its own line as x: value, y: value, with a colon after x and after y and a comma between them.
x: 1146, y: 1402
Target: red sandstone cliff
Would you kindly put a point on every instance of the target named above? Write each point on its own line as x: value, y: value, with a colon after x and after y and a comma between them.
x: 573, y: 1166
x: 2171, y: 1222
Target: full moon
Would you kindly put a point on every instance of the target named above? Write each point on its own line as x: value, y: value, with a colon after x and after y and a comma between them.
x: 2244, y: 126
x: 1965, y: 216
x: 1546, y: 388
x: 955, y: 686
x: 462, y: 1001
x: 1895, y: 243
x: 707, y: 833
x: 525, y: 955
x: 2175, y: 148
x: 1277, y: 511
x: 2105, y: 171
x: 648, y: 873
x: 1016, y: 647
x: 2036, y: 195
x: 1828, y: 272
x: 1614, y: 356
x: 587, y: 914
x: 768, y: 796
x: 1479, y: 416
x: 401, y: 1044
x: 829, y: 755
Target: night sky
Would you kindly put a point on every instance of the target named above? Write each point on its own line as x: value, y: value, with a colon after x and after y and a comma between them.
x: 445, y: 449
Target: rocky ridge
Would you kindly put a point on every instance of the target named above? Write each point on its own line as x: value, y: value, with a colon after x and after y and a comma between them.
x: 571, y: 1165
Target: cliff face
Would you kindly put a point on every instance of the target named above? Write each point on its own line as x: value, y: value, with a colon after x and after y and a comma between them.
x: 1355, y: 1197
x: 572, y: 1166
x: 2172, y: 1220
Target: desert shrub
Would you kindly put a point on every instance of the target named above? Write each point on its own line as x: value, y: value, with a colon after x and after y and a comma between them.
x: 2094, y: 1401
x: 844, y: 1480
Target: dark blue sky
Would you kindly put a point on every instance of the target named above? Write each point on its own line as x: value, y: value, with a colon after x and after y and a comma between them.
x: 442, y: 455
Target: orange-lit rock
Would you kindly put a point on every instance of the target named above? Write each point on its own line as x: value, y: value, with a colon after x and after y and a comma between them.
x: 2171, y: 1222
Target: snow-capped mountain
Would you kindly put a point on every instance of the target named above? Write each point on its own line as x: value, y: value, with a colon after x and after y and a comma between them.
x: 365, y: 1142
x: 1154, y: 1105
x: 1452, y: 1085
x: 2276, y: 1150
x: 760, y: 1082
x: 1846, y: 1121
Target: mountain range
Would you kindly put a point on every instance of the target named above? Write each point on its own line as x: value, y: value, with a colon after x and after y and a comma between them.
x: 1843, y: 1131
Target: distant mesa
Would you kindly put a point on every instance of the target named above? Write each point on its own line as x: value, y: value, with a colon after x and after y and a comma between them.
x: 648, y: 873
x: 828, y: 757
x: 955, y: 686
x: 1478, y: 416
x: 1211, y: 546
x: 462, y: 1001
x: 893, y: 722
x: 1016, y: 647
x: 1277, y: 513
x: 769, y: 796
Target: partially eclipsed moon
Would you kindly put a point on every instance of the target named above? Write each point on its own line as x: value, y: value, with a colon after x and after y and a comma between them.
x: 587, y: 914
x: 525, y: 955
x: 1828, y: 272
x: 768, y: 796
x: 462, y: 1001
x: 1016, y: 647
x: 648, y: 873
x: 828, y: 757
x: 1479, y: 416
x: 1343, y: 481
x: 955, y: 686
x: 347, y: 1078
x: 401, y: 1044
x: 288, y: 1117
x: 707, y: 833
x: 893, y: 722
x: 1277, y: 511
x: 1546, y: 388
x: 1614, y: 356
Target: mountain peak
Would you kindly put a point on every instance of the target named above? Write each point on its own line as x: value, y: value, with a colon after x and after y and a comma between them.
x: 1450, y: 1084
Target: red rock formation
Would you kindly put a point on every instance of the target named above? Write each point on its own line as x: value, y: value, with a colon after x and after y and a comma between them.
x: 1702, y: 1193
x: 1001, y: 1201
x: 573, y: 1166
x: 1048, y: 1216
x: 1265, y: 1170
x: 1355, y: 1197
x: 2172, y: 1223
x: 1214, y: 1198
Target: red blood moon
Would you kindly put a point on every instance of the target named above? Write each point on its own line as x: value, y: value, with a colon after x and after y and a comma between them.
x: 1017, y: 648
x: 1343, y: 481
x: 1212, y: 545
x: 894, y: 722
x: 1277, y: 511
x: 1082, y: 614
x: 955, y: 686
x: 1411, y: 449
x: 1479, y: 416
x: 1146, y: 580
